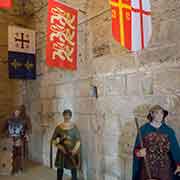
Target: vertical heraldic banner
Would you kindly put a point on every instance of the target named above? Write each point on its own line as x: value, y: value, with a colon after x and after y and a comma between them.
x: 61, y: 47
x: 21, y: 53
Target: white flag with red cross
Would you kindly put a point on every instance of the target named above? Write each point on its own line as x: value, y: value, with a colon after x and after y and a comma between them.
x: 131, y: 23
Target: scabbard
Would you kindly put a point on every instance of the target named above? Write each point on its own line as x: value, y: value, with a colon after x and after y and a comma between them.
x: 22, y: 155
x: 51, y: 155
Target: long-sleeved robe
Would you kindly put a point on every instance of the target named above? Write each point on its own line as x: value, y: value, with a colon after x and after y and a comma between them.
x: 163, y: 153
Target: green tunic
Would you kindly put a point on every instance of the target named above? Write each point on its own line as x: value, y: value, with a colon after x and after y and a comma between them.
x: 68, y: 139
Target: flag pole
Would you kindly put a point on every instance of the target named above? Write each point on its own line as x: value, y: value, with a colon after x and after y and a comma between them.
x: 142, y: 146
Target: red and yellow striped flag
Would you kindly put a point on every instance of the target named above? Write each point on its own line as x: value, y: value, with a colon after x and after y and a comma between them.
x: 121, y: 21
x: 131, y: 23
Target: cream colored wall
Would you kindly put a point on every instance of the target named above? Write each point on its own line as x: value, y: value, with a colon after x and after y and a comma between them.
x: 126, y: 84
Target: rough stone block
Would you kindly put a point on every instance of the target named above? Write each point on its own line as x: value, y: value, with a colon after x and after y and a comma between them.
x: 134, y: 84
x: 82, y: 88
x: 167, y: 81
x: 112, y: 124
x: 113, y: 168
x: 147, y: 85
x: 85, y: 105
x: 111, y: 145
x: 46, y: 106
x: 113, y: 64
x: 115, y: 85
x: 161, y: 53
x: 65, y: 90
x: 51, y: 93
x: 82, y: 122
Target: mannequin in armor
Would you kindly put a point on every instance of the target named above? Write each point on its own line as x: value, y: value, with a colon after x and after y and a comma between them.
x: 15, y: 129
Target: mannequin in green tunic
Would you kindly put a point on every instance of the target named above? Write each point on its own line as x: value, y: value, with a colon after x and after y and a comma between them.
x: 66, y: 138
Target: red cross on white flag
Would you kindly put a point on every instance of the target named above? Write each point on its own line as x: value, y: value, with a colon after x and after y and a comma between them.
x: 131, y: 23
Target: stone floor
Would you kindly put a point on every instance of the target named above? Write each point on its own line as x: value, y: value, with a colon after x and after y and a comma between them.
x: 33, y: 172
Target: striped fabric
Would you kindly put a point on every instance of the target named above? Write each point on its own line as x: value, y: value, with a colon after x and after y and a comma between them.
x: 131, y: 23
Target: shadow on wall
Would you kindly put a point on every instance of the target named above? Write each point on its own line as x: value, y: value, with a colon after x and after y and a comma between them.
x: 3, y: 118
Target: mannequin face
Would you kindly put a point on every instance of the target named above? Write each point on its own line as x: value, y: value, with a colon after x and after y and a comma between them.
x: 67, y: 117
x: 17, y: 113
x: 158, y: 116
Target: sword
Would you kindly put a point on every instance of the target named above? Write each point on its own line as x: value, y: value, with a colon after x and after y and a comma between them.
x: 22, y: 155
x: 51, y: 154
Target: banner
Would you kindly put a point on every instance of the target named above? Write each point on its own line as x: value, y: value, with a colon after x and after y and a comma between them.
x: 61, y: 47
x: 5, y: 4
x: 21, y: 53
x: 131, y: 23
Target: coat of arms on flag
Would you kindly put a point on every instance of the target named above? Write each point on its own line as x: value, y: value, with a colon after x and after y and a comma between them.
x: 21, y: 53
x: 131, y: 23
x: 6, y: 4
x: 61, y: 47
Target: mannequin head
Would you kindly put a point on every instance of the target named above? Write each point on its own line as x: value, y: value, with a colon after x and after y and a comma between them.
x: 157, y: 114
x: 67, y: 114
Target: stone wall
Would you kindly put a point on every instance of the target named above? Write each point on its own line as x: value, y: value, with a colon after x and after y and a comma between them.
x: 11, y: 91
x: 127, y: 84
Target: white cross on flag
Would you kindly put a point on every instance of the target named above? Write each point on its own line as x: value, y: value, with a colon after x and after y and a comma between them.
x: 21, y: 53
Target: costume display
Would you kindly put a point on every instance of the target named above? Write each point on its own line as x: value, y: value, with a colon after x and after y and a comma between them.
x: 66, y: 137
x: 15, y: 128
x: 162, y: 153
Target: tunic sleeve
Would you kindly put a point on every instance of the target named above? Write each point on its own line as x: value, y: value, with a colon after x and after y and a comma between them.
x: 77, y: 140
x: 137, y: 143
x: 174, y: 148
x: 77, y: 134
x: 136, y: 160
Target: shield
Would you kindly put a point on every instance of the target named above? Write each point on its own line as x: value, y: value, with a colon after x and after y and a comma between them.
x: 131, y: 23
